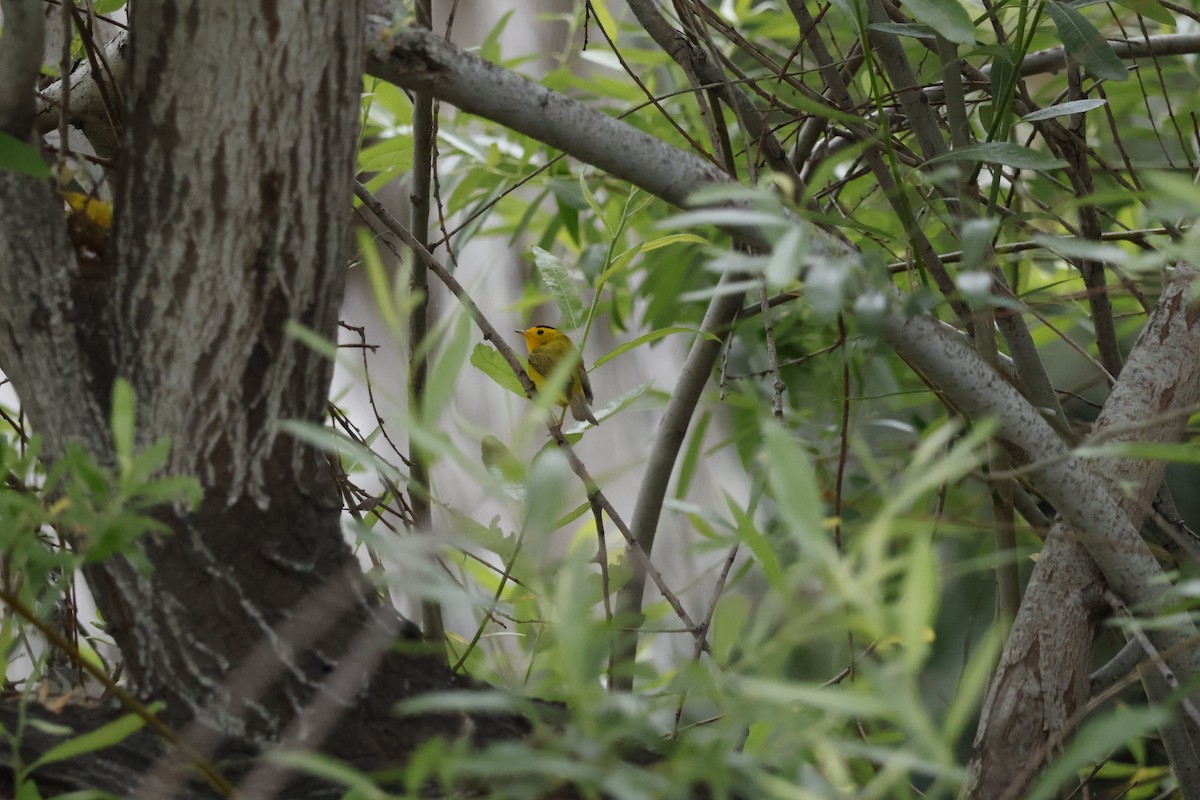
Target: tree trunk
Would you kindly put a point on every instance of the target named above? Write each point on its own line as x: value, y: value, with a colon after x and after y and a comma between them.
x: 233, y: 197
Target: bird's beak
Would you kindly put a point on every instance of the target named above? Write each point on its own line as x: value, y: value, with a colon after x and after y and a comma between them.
x: 516, y: 331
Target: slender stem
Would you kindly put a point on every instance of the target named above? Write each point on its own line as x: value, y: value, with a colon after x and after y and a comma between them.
x: 418, y: 321
x: 602, y: 558
x: 772, y: 353
x: 504, y: 578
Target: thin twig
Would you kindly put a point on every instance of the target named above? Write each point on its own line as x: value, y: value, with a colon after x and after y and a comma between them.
x: 1160, y: 664
x: 211, y: 774
x: 602, y: 558
x: 772, y: 352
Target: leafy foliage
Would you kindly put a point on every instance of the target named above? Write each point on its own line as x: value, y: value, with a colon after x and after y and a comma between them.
x: 853, y: 529
x: 837, y: 634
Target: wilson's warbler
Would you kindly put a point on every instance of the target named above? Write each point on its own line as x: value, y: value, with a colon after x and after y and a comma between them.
x: 89, y: 223
x: 547, y: 348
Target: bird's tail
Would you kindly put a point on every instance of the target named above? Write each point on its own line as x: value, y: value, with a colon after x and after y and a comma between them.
x: 580, y: 410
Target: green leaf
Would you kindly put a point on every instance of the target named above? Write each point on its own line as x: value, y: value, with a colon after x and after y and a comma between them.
x: 360, y: 784
x: 546, y: 484
x: 461, y: 701
x: 561, y: 287
x: 439, y: 389
x: 1095, y: 741
x: 605, y: 20
x: 919, y: 601
x: 1150, y: 9
x: 977, y: 236
x: 488, y: 360
x: 311, y: 339
x: 904, y: 29
x: 27, y: 790
x: 946, y: 17
x: 760, y: 548
x: 732, y: 618
x: 728, y: 217
x: 21, y: 157
x: 974, y: 682
x: 855, y: 11
x: 392, y: 154
x: 840, y: 700
x: 1173, y: 452
x: 670, y: 239
x: 787, y: 255
x: 1064, y: 109
x: 1072, y: 247
x: 1008, y: 154
x: 499, y: 460
x: 614, y: 406
x: 124, y: 407
x: 794, y: 487
x: 105, y: 736
x: 646, y: 338
x: 1085, y: 44
x: 380, y: 286
x: 1003, y: 77
x: 691, y: 456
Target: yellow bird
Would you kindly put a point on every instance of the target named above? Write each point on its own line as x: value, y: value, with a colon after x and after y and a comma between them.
x: 547, y: 348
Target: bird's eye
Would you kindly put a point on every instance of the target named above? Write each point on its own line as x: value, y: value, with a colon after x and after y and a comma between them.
x: 541, y: 332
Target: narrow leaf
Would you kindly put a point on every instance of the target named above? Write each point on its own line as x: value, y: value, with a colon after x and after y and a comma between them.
x: 911, y: 29
x: 783, y: 265
x: 728, y: 217
x: 123, y: 414
x: 487, y: 360
x: 794, y: 486
x: 1064, y: 109
x: 919, y: 601
x: 105, y: 736
x: 1008, y: 154
x: 329, y: 768
x: 761, y: 549
x: 1004, y: 75
x: 946, y: 17
x: 561, y: 287
x: 1095, y: 741
x: 855, y: 11
x: 440, y: 385
x: 646, y: 338
x: 1150, y: 9
x: 18, y: 156
x: 1085, y: 44
x: 1172, y: 452
x: 1072, y: 247
x: 670, y: 239
x: 691, y: 456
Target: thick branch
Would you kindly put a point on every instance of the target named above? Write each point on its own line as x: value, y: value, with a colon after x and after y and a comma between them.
x: 420, y: 60
x: 1038, y: 689
x: 20, y: 63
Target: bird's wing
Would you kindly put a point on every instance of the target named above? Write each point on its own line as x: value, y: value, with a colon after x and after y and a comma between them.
x: 584, y: 382
x: 543, y: 362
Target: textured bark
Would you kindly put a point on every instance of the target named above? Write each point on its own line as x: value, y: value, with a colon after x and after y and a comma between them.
x: 232, y: 198
x: 233, y: 203
x: 1042, y: 679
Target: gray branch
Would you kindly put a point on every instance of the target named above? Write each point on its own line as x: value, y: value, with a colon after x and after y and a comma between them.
x: 20, y: 61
